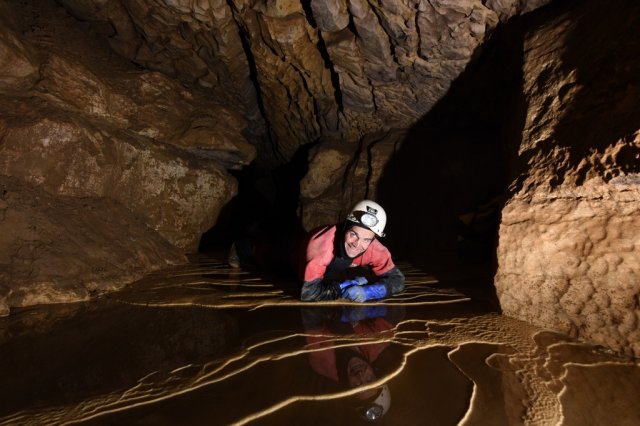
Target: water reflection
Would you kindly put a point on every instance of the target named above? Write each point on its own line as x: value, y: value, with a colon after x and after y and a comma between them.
x: 202, y: 344
x: 351, y: 346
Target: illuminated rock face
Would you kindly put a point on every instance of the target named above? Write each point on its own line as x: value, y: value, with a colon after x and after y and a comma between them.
x: 59, y: 249
x: 313, y: 69
x: 569, y: 251
x: 340, y: 175
x: 94, y: 132
x: 92, y: 126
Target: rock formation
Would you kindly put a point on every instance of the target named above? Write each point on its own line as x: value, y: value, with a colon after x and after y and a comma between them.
x: 569, y: 252
x: 141, y: 158
x: 314, y: 69
x: 58, y: 249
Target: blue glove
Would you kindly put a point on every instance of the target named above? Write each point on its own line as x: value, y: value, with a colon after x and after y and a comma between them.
x: 355, y: 281
x: 363, y: 293
x: 360, y: 280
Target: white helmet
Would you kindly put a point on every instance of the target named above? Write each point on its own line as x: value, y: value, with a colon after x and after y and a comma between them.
x: 370, y: 215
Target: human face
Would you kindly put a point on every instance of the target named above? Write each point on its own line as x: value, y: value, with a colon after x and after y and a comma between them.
x: 357, y: 240
x: 360, y: 373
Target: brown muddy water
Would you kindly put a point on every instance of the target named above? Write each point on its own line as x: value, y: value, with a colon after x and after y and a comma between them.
x: 203, y: 344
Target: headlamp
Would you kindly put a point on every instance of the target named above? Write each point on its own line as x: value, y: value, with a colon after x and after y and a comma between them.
x: 373, y: 413
x: 368, y: 220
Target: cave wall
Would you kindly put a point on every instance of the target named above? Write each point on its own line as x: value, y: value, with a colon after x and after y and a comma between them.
x: 57, y: 249
x: 569, y: 239
x: 107, y: 171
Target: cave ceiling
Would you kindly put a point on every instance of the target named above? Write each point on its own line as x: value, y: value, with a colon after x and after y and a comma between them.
x: 302, y: 72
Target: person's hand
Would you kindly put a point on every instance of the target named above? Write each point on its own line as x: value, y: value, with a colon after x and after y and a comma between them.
x: 355, y: 281
x: 365, y: 292
x: 360, y: 280
x: 354, y: 293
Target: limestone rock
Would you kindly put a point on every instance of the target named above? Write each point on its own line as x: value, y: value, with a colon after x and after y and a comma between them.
x: 304, y: 71
x: 330, y: 15
x: 149, y: 105
x: 324, y: 170
x: 58, y: 249
x: 571, y: 263
x: 93, y: 126
x: 569, y: 245
x: 336, y: 180
x: 292, y: 77
x: 197, y: 42
x: 175, y: 194
x: 18, y: 67
x: 113, y: 171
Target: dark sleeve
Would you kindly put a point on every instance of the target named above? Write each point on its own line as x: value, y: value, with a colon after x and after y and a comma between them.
x: 320, y: 289
x: 393, y: 280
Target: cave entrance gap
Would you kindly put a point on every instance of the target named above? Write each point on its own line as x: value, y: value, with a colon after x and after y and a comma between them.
x: 266, y: 204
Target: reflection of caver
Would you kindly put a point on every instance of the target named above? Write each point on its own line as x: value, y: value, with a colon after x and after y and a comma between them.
x: 336, y: 261
x: 358, y: 364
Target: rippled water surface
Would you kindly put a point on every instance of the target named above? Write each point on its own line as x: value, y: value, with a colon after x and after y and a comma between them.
x: 203, y: 344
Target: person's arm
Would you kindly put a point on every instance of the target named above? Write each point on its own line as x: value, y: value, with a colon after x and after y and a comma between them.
x: 389, y: 278
x: 319, y: 253
x: 325, y: 289
x: 393, y: 281
x: 388, y: 284
x: 320, y: 289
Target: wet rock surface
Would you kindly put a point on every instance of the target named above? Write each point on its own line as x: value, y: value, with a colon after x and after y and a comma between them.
x: 203, y: 343
x: 65, y: 249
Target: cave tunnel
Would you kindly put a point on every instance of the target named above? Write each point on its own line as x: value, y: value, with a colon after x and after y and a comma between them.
x: 443, y: 188
x: 142, y: 140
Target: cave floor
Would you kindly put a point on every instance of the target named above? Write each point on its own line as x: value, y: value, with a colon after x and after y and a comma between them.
x: 205, y: 344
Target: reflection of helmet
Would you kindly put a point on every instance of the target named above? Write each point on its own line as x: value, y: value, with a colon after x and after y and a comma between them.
x: 370, y: 215
x: 379, y: 406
